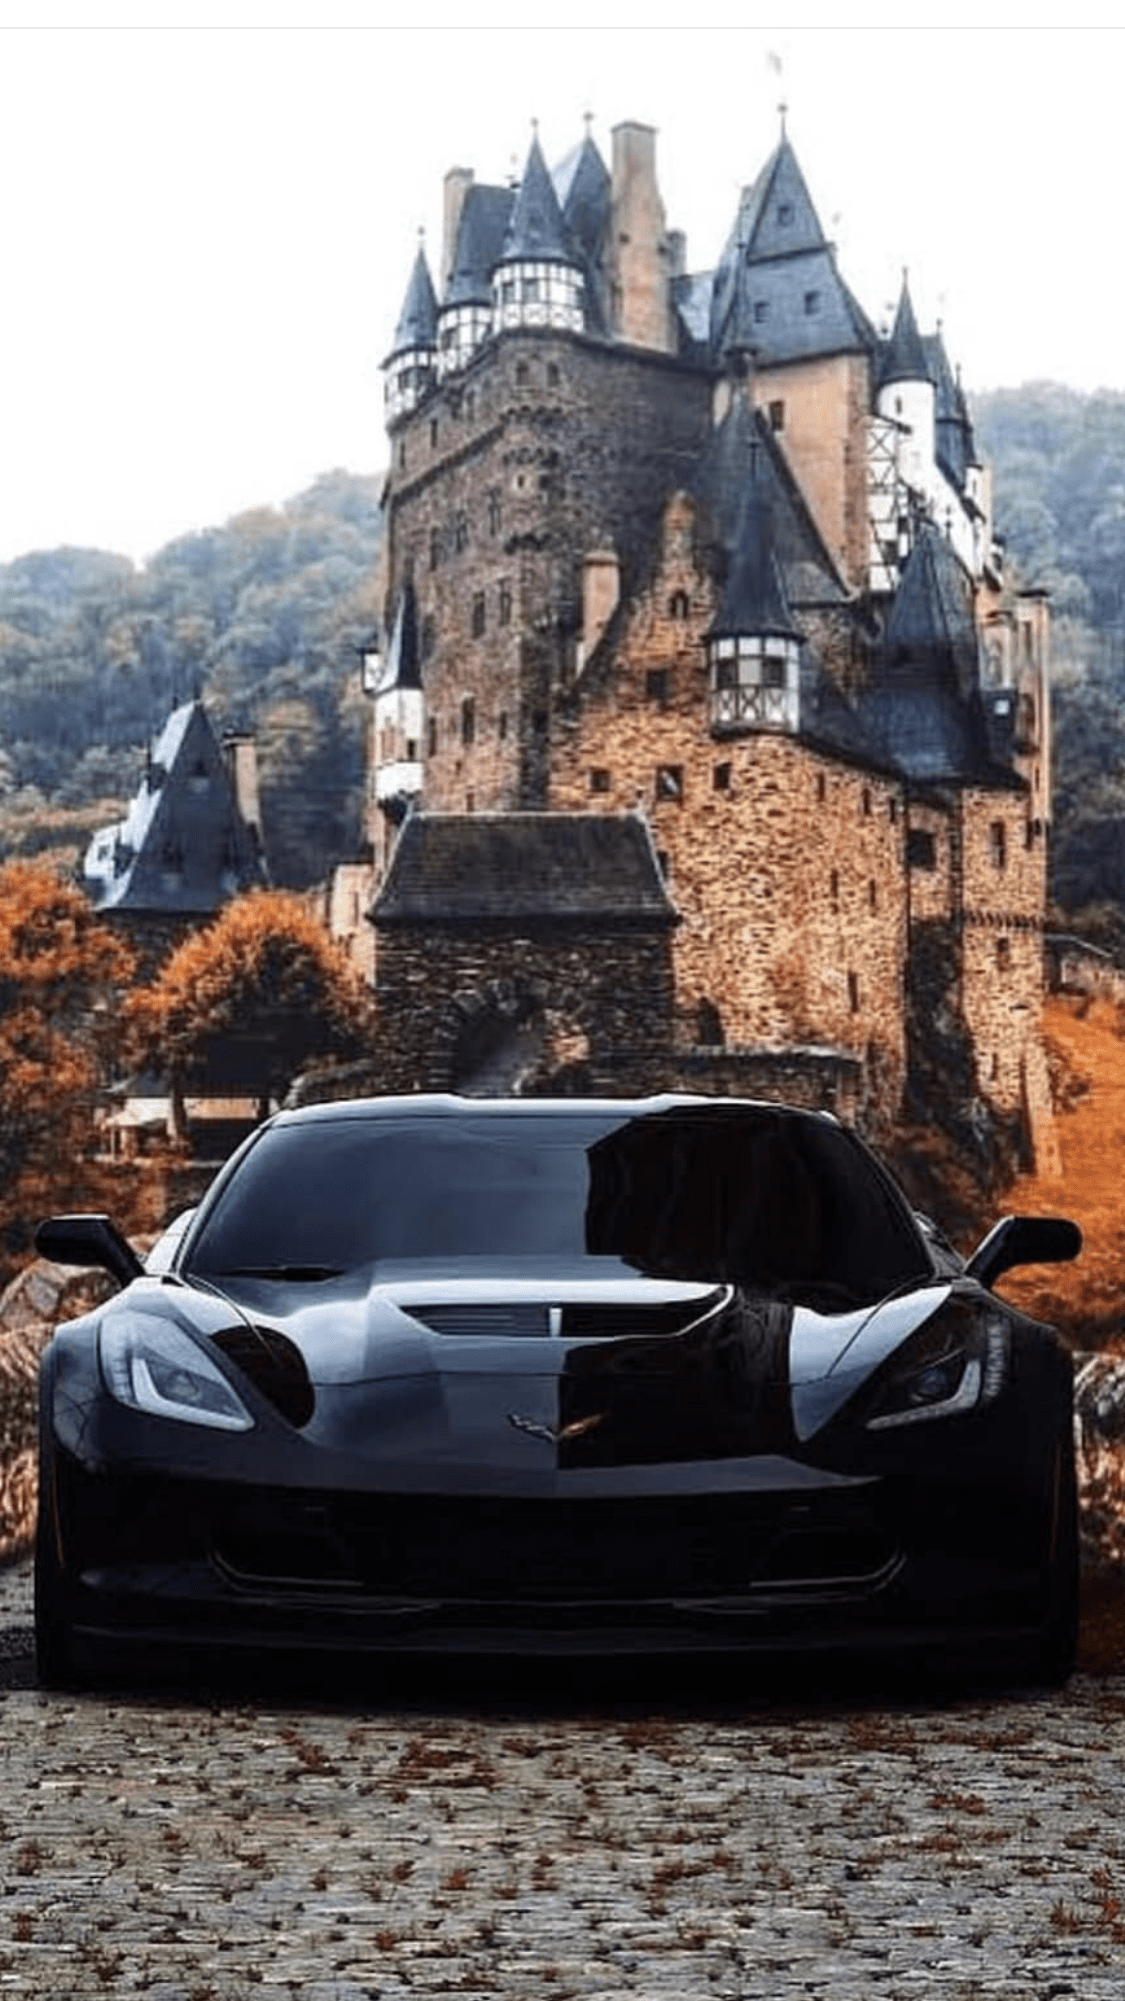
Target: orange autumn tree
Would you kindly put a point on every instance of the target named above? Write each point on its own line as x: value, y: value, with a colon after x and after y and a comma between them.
x: 61, y: 974
x: 244, y: 1005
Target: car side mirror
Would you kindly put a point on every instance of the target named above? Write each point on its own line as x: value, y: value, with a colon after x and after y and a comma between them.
x: 89, y: 1240
x: 1024, y: 1240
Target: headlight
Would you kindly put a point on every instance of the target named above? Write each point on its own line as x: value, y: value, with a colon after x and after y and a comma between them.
x: 957, y: 1363
x: 152, y: 1366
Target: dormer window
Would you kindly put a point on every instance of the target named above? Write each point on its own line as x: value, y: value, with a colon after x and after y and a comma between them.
x: 812, y: 302
x: 754, y: 682
x: 761, y: 310
x: 785, y: 214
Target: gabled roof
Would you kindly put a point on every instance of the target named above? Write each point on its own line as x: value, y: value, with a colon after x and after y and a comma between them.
x: 417, y: 322
x: 402, y: 666
x: 777, y: 292
x: 904, y: 358
x: 183, y: 847
x: 572, y: 868
x: 485, y: 215
x: 743, y: 449
x: 536, y: 232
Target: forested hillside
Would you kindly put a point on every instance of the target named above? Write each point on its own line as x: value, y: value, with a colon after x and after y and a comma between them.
x: 263, y: 615
x: 1058, y: 460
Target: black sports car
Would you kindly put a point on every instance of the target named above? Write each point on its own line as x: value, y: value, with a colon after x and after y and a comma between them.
x: 673, y: 1373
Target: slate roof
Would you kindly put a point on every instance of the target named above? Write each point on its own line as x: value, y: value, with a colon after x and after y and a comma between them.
x: 402, y: 666
x: 752, y: 599
x: 417, y: 322
x: 953, y: 441
x: 485, y: 215
x: 923, y: 708
x: 582, y: 184
x: 536, y: 233
x: 777, y: 291
x: 904, y: 357
x: 182, y: 848
x: 743, y: 448
x: 575, y: 868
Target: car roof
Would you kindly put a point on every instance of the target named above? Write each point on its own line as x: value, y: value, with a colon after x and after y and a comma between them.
x: 445, y: 1104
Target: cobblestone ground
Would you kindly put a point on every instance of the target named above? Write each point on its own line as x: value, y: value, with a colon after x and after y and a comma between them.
x: 633, y: 1836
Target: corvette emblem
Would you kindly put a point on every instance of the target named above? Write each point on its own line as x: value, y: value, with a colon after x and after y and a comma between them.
x: 555, y: 1434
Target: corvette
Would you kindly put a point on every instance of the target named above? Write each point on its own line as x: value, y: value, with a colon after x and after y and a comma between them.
x: 545, y: 1376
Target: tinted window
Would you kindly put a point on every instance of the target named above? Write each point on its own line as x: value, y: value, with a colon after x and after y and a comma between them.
x: 763, y: 1197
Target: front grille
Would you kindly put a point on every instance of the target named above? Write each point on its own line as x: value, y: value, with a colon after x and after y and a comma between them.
x: 424, y: 1546
x: 489, y: 1322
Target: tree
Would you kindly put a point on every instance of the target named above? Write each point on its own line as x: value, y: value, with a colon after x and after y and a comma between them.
x: 246, y: 1004
x: 61, y: 970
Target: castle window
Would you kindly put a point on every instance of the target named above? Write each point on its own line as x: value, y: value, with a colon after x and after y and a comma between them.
x: 552, y: 374
x: 834, y: 891
x: 600, y: 780
x: 470, y: 802
x: 435, y: 548
x: 773, y: 671
x: 1004, y: 954
x: 998, y: 844
x: 812, y: 302
x: 431, y: 737
x: 892, y: 810
x: 761, y: 310
x: 785, y: 213
x: 504, y: 604
x: 502, y: 724
x: 411, y: 750
x: 494, y: 513
x: 433, y: 430
x: 670, y: 782
x: 461, y: 532
x: 521, y: 371
x: 468, y: 722
x: 853, y: 993
x: 720, y: 778
x: 508, y: 292
x: 678, y: 605
x: 777, y: 416
x: 872, y: 897
x: 921, y: 848
x: 478, y: 614
x: 656, y: 685
x: 821, y: 787
x: 865, y: 800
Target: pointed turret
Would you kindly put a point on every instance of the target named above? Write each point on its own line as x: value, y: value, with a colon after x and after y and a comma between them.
x: 753, y: 641
x: 465, y: 319
x: 538, y: 280
x: 409, y: 367
x: 904, y: 358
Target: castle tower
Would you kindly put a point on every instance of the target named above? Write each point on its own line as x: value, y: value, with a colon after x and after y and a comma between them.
x: 753, y: 643
x: 409, y: 367
x: 538, y: 280
x: 906, y: 394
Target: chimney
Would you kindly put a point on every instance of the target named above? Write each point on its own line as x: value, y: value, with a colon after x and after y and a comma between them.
x: 242, y: 768
x: 639, y: 251
x: 457, y: 183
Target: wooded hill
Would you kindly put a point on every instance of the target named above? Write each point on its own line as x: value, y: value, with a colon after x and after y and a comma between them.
x: 265, y: 614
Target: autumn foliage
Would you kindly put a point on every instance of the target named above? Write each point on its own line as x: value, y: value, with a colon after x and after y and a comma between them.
x: 250, y: 1001
x: 60, y: 974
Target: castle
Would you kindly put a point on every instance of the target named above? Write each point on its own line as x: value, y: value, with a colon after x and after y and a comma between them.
x: 710, y: 746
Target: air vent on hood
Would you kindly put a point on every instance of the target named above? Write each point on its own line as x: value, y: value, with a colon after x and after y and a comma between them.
x: 589, y: 1320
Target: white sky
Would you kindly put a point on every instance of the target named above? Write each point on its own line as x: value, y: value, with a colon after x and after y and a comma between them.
x: 207, y: 231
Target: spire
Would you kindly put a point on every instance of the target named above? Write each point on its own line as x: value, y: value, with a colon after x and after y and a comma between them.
x: 904, y: 359
x: 417, y: 322
x: 753, y: 600
x: 536, y: 233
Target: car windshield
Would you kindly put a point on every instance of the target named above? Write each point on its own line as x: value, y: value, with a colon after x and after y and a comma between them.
x: 760, y: 1196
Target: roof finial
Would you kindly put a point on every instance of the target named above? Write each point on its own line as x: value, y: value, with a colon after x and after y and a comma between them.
x: 782, y: 109
x: 587, y: 120
x: 421, y: 236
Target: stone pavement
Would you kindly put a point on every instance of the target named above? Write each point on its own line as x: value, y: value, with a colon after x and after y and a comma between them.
x: 630, y: 1836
